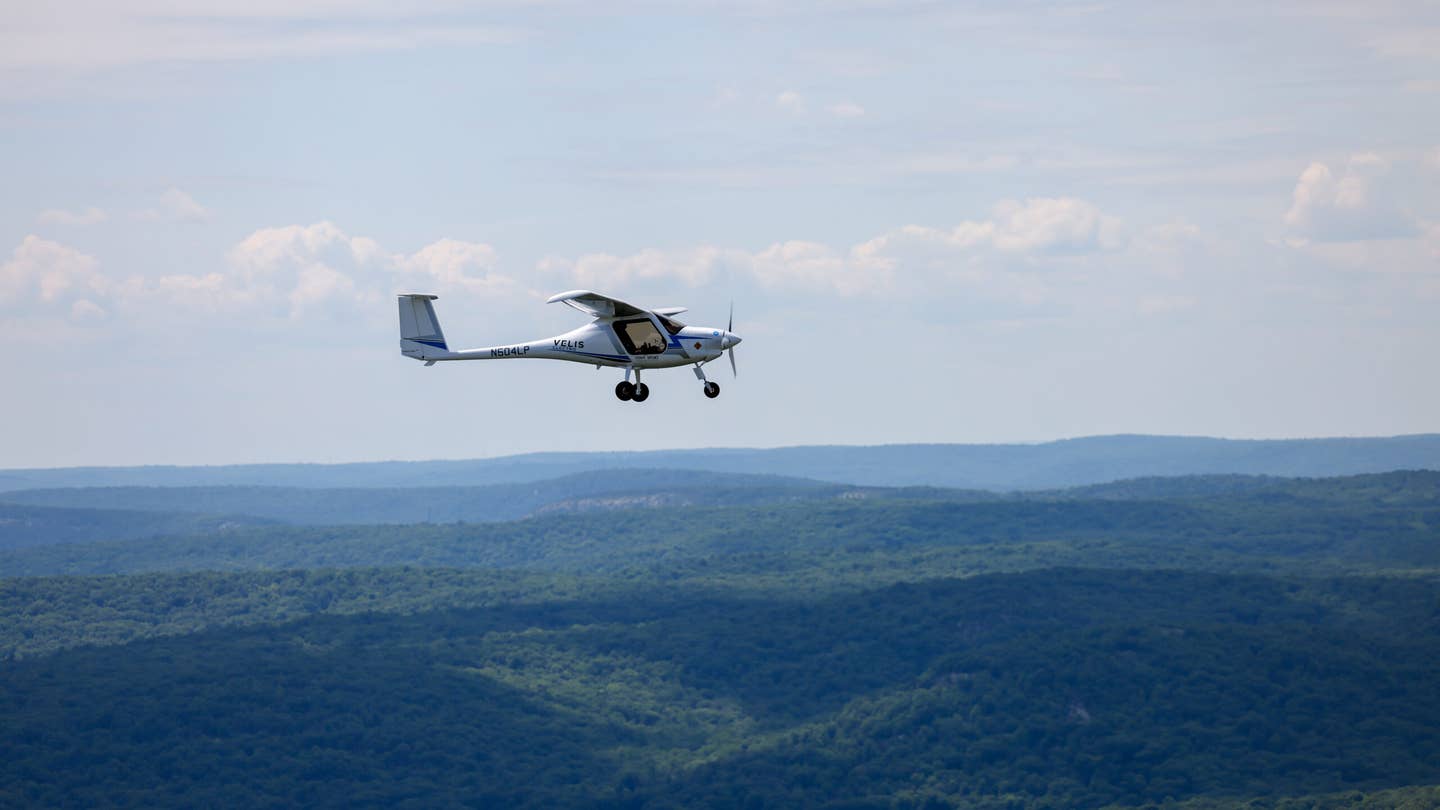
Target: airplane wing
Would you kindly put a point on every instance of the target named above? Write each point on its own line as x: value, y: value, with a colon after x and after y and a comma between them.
x: 596, y: 305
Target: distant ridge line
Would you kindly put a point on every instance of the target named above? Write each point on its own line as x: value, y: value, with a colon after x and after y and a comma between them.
x: 1002, y: 467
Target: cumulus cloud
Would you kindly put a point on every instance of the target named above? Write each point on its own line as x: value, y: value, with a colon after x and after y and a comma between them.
x: 468, y: 265
x: 1330, y: 206
x: 1043, y: 227
x: 816, y: 267
x: 296, y: 270
x: 48, y: 274
x: 1020, y: 235
x: 176, y: 206
x: 846, y: 109
x: 301, y: 266
x: 285, y: 272
x: 55, y: 216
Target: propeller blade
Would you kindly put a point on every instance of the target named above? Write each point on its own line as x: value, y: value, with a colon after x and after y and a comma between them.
x: 729, y: 329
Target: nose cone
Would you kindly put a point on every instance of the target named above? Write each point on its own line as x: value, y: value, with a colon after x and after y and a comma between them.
x: 730, y: 339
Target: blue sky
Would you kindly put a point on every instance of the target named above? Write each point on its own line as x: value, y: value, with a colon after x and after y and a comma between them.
x: 938, y: 221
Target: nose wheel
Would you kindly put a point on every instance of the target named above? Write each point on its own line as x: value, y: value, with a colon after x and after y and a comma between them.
x: 712, y: 389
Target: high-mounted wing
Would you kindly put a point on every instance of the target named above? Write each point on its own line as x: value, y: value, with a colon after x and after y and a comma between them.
x: 596, y: 305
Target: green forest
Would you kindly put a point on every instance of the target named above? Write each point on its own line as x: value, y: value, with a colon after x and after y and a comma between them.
x: 1197, y: 642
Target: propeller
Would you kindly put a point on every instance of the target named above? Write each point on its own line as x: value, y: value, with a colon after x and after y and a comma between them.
x: 729, y: 329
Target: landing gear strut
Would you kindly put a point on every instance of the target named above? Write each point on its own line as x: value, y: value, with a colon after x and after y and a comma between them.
x: 712, y: 390
x: 627, y: 391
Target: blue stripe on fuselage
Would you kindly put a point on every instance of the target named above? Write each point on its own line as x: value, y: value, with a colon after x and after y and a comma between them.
x: 597, y: 354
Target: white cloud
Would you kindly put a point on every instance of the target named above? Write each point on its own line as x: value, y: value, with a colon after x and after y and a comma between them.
x: 846, y: 109
x: 295, y: 271
x: 176, y: 206
x: 816, y: 267
x: 55, y: 216
x: 1055, y: 225
x: 45, y: 273
x: 1171, y: 248
x: 283, y: 272
x: 1028, y: 234
x: 451, y: 262
x: 299, y: 267
x: 1345, y: 207
x: 1036, y: 228
x: 294, y: 268
x: 86, y: 310
x: 790, y: 101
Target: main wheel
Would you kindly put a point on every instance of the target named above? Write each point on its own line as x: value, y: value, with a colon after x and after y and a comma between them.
x: 642, y: 392
x: 625, y: 390
x: 712, y: 389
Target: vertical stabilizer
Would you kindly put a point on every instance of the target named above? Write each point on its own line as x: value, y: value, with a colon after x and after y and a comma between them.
x: 420, y: 335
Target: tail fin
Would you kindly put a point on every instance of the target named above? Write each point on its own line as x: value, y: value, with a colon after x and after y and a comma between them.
x: 420, y: 335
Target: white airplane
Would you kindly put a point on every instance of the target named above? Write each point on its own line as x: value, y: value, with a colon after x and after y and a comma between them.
x: 620, y: 336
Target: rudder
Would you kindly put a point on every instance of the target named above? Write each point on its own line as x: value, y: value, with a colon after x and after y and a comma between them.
x: 420, y: 334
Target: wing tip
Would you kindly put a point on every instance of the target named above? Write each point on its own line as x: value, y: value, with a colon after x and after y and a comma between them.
x: 569, y: 294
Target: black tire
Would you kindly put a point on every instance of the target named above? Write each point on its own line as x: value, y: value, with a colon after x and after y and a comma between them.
x: 625, y: 390
x: 642, y: 393
x: 712, y: 390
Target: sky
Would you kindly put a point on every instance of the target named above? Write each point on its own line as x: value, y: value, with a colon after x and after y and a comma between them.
x: 937, y: 222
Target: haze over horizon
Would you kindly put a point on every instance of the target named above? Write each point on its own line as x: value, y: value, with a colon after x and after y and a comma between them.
x: 723, y: 448
x: 939, y: 223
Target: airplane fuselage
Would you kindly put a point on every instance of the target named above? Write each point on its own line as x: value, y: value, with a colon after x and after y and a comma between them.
x: 598, y: 344
x: 620, y: 336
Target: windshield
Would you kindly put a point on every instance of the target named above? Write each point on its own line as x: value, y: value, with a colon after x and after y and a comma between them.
x: 640, y: 336
x: 673, y: 327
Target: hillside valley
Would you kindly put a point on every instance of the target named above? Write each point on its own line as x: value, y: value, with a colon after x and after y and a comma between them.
x: 676, y: 639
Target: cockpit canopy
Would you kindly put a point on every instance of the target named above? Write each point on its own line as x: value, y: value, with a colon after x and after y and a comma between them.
x: 639, y: 335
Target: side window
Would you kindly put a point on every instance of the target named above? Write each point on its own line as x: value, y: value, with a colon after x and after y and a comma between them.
x: 640, y: 336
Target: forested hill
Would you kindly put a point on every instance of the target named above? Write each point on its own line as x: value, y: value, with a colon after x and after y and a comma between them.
x: 660, y: 639
x: 25, y: 525
x: 1068, y: 463
x: 610, y: 489
x: 1375, y: 522
x: 1063, y: 688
